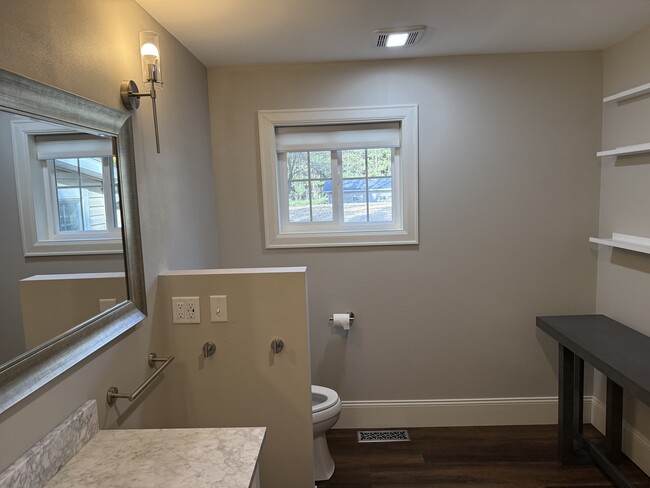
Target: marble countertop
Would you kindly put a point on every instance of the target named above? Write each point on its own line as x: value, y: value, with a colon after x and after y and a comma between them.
x: 216, y: 458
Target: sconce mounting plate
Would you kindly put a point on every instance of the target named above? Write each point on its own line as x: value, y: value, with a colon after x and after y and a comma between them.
x: 127, y: 90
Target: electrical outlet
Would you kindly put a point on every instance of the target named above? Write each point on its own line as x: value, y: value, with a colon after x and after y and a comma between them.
x: 178, y: 310
x: 186, y: 310
x: 218, y: 308
x: 193, y: 310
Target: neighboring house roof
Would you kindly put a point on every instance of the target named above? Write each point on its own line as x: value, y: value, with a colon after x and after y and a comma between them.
x: 374, y: 184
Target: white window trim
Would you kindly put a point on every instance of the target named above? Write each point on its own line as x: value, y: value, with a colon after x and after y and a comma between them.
x: 32, y: 245
x: 406, y: 115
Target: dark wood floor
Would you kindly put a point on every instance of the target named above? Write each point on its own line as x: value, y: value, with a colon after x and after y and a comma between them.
x: 451, y: 457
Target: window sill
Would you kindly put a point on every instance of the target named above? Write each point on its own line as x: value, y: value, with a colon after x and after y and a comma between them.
x: 341, y: 239
x: 74, y: 247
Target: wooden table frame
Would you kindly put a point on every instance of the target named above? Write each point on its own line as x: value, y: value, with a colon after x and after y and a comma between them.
x: 618, y: 352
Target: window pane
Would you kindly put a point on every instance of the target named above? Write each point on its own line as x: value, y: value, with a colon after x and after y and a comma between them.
x: 67, y: 172
x: 299, y: 202
x: 320, y: 164
x: 379, y: 162
x: 377, y: 187
x: 381, y: 211
x: 355, y: 212
x: 70, y: 218
x: 116, y: 175
x: 297, y: 167
x: 354, y: 163
x: 94, y: 206
x: 354, y: 190
x: 117, y: 209
x: 354, y: 201
x: 91, y: 171
x: 321, y: 201
x: 380, y: 199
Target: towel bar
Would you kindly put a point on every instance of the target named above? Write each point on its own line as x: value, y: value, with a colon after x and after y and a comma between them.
x: 113, y: 393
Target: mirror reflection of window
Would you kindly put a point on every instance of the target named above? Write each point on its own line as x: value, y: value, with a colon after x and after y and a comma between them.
x: 68, y: 190
x: 87, y: 199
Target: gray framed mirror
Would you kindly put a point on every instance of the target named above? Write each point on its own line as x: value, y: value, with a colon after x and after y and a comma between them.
x: 80, y: 216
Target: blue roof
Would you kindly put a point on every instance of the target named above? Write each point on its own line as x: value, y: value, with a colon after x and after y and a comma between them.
x: 374, y: 184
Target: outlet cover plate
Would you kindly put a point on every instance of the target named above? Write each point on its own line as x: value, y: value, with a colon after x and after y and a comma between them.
x: 186, y: 310
x: 193, y: 310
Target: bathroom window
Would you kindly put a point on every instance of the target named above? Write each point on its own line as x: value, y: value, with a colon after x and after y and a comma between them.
x: 339, y: 177
x: 67, y: 186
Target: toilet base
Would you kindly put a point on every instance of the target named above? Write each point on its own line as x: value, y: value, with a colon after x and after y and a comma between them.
x: 323, y: 462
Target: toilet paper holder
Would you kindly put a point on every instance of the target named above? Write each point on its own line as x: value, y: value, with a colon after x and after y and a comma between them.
x: 331, y: 319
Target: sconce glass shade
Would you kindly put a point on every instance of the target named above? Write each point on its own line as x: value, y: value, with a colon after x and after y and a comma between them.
x: 150, y: 54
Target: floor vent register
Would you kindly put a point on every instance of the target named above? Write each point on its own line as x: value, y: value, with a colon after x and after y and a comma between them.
x: 383, y: 436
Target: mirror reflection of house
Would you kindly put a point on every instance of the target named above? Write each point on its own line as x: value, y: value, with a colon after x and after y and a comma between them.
x: 87, y: 195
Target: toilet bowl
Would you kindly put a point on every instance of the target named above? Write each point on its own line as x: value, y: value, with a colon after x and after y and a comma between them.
x: 325, y: 411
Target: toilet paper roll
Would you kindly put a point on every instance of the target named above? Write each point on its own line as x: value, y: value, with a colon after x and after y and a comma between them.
x: 341, y: 320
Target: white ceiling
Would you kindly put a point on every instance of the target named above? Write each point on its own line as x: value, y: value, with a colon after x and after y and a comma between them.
x: 231, y: 32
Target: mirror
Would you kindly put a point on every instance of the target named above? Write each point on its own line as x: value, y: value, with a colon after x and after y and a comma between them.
x: 70, y: 248
x: 61, y: 249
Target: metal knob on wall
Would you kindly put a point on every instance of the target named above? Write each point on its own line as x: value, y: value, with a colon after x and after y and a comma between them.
x: 277, y: 345
x: 209, y: 348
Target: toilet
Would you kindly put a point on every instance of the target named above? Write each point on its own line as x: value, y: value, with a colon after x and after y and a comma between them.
x: 325, y: 411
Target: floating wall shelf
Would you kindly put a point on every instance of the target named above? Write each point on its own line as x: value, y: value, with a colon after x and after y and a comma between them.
x: 626, y: 150
x: 637, y: 91
x: 624, y: 241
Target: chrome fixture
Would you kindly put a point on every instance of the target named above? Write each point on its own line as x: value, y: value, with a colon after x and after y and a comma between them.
x: 151, y: 76
x: 113, y: 393
x: 209, y: 348
x: 277, y: 345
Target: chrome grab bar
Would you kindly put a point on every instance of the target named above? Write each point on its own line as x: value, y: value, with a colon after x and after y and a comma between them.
x: 113, y: 393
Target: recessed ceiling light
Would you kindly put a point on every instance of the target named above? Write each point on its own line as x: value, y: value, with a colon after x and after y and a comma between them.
x: 398, y: 36
x: 395, y: 40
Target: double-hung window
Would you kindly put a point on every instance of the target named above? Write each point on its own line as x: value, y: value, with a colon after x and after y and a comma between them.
x: 339, y: 177
x: 67, y: 186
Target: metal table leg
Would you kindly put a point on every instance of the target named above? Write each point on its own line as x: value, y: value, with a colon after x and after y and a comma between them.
x: 614, y: 422
x: 567, y: 414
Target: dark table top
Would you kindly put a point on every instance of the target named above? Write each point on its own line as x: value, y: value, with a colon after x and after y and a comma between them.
x: 619, y: 352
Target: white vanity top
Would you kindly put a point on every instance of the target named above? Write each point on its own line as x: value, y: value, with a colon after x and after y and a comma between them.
x: 178, y: 458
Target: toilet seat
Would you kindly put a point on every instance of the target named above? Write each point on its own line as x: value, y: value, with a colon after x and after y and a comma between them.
x: 322, y: 398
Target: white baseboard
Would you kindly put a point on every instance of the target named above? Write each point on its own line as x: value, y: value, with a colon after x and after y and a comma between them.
x: 447, y: 413
x: 635, y: 445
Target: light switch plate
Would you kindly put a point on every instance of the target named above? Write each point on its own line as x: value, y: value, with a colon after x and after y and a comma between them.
x: 218, y: 308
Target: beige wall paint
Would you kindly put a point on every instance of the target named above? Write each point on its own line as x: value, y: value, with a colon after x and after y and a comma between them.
x: 624, y: 277
x: 51, y: 305
x: 89, y: 47
x: 509, y: 187
x: 244, y: 383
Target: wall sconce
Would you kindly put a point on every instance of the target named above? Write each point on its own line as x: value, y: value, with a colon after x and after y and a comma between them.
x: 151, y: 76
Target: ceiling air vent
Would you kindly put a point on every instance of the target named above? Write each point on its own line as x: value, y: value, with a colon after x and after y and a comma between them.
x: 398, y: 36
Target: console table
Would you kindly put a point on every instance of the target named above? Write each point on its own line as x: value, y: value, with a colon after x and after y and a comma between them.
x: 620, y: 353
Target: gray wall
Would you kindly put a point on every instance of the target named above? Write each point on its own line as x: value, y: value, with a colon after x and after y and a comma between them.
x: 15, y: 266
x: 89, y: 47
x: 509, y: 188
x: 623, y: 276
